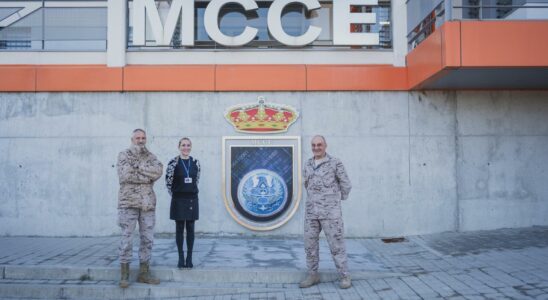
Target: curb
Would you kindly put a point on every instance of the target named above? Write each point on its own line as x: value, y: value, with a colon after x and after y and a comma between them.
x: 207, y: 275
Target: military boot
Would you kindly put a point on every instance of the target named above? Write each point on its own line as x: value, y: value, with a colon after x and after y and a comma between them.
x: 310, y: 280
x: 144, y: 274
x: 345, y: 283
x: 124, y: 281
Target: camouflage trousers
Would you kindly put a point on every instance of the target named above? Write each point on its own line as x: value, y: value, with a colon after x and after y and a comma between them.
x: 127, y: 219
x: 334, y: 232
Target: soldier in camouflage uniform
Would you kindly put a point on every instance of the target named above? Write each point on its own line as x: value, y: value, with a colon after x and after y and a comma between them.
x: 326, y: 184
x: 138, y: 169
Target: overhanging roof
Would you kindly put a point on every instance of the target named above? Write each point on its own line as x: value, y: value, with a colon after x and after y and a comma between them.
x: 482, y: 55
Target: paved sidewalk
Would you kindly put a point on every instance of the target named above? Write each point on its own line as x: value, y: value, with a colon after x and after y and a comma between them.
x: 499, y: 264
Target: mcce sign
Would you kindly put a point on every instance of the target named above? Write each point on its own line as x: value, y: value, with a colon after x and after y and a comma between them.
x: 163, y: 33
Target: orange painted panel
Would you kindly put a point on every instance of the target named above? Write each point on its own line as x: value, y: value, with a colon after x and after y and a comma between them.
x: 451, y: 54
x: 505, y: 43
x: 17, y: 79
x: 425, y: 60
x: 356, y: 78
x: 260, y: 78
x: 169, y: 78
x: 78, y: 78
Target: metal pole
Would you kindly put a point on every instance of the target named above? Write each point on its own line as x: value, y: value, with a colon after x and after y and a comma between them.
x: 43, y: 24
x: 448, y: 10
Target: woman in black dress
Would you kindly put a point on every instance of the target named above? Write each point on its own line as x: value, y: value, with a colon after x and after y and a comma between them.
x: 182, y: 176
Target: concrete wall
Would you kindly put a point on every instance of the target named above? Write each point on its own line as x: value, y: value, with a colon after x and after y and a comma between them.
x: 419, y: 162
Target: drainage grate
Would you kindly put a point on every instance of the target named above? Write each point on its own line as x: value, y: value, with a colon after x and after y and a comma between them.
x: 394, y: 240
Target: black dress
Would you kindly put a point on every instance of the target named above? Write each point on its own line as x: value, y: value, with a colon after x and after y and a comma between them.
x: 184, y: 199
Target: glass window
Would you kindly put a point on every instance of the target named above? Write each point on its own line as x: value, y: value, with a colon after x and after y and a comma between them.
x: 56, y: 28
x: 25, y: 34
x: 6, y: 12
x: 75, y: 28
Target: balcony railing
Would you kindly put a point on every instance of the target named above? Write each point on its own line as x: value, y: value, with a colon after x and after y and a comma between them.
x: 448, y: 10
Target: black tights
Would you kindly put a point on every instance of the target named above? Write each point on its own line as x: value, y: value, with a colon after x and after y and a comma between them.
x: 179, y: 235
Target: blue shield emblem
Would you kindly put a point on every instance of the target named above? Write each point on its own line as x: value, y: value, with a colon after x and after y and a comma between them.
x: 262, y: 185
x: 262, y: 193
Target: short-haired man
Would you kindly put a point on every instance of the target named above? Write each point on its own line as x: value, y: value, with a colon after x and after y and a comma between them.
x: 326, y: 184
x: 138, y: 169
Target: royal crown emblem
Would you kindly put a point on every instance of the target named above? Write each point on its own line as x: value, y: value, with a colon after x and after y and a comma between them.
x: 261, y: 117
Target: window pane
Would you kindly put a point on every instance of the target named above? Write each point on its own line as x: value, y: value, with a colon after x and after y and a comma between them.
x: 75, y: 23
x: 59, y: 28
x: 6, y: 12
x: 24, y: 34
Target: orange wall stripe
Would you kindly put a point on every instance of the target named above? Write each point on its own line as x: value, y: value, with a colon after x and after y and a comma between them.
x: 78, y: 78
x: 505, y: 44
x: 456, y: 44
x: 260, y: 78
x: 169, y: 78
x: 356, y: 78
x: 17, y: 79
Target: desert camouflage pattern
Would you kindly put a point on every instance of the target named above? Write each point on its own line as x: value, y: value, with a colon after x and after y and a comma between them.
x: 137, y: 172
x: 326, y: 185
x: 334, y: 232
x: 127, y: 219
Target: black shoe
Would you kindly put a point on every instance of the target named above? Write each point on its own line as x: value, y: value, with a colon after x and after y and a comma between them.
x: 189, y: 264
x: 181, y: 263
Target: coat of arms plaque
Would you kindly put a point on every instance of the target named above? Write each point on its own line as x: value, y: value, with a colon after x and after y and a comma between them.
x: 261, y: 180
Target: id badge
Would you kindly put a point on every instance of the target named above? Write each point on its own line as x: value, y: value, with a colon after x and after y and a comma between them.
x: 188, y: 180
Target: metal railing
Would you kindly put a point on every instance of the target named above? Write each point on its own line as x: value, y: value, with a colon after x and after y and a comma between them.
x: 476, y: 10
x: 500, y: 9
x: 426, y: 26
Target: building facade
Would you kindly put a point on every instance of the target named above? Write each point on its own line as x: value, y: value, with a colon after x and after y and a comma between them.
x: 438, y: 109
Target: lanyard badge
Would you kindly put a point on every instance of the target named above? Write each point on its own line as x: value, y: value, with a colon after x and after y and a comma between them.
x: 188, y: 179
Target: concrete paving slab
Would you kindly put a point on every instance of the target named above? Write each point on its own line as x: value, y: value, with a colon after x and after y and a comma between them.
x: 482, y: 266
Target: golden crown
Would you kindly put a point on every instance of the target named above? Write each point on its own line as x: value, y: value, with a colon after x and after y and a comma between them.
x: 261, y: 117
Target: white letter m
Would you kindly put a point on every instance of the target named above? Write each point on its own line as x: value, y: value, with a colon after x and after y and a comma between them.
x: 163, y: 33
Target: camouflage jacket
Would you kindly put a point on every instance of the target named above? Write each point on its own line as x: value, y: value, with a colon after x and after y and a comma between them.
x: 326, y: 185
x: 137, y: 173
